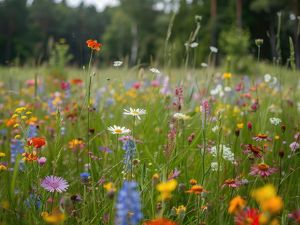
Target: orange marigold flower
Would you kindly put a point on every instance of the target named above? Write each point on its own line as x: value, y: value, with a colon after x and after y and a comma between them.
x: 161, y: 221
x: 94, y: 45
x: 196, y: 189
x: 236, y: 204
x: 36, y: 142
x: 193, y: 181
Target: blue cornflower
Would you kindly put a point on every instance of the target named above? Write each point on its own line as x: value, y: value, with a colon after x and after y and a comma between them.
x: 33, y: 201
x: 32, y: 131
x: 128, y: 205
x: 130, y: 151
x: 16, y: 147
x: 84, y: 177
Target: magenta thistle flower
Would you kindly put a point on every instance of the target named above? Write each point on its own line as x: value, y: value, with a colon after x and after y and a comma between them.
x: 54, y: 184
x: 294, y: 146
x: 263, y: 170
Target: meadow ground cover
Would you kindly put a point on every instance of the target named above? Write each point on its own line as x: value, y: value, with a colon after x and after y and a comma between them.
x: 149, y: 146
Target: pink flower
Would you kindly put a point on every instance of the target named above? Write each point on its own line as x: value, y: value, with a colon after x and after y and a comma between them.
x: 263, y: 170
x: 232, y: 183
x: 42, y: 161
x: 137, y: 85
x: 294, y: 146
x: 155, y: 83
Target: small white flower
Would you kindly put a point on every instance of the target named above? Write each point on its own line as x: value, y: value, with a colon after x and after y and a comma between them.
x: 275, y: 121
x: 154, y: 70
x: 227, y: 89
x: 204, y: 65
x: 227, y: 154
x: 117, y: 63
x: 214, y: 166
x: 215, y: 129
x: 181, y: 116
x: 194, y: 45
x: 118, y: 130
x: 292, y: 16
x: 267, y: 78
x: 135, y: 112
x: 213, y: 49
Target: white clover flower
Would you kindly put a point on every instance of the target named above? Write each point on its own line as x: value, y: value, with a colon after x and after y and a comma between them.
x: 204, y: 65
x: 181, y: 116
x: 134, y: 112
x: 118, y: 130
x: 215, y: 129
x: 275, y: 121
x: 194, y: 45
x: 267, y: 78
x: 213, y: 49
x: 154, y: 70
x: 117, y: 63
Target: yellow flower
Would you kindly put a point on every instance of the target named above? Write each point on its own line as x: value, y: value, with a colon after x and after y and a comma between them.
x: 264, y: 193
x: 240, y: 125
x: 16, y: 125
x: 28, y: 113
x: 155, y: 176
x: 180, y: 210
x: 2, y: 167
x: 272, y: 205
x: 20, y: 109
x: 277, y: 137
x: 227, y: 75
x: 54, y: 218
x: 4, y: 204
x: 2, y: 154
x: 24, y: 117
x: 14, y: 116
x: 236, y: 204
x: 166, y: 188
x: 17, y: 136
x: 109, y: 187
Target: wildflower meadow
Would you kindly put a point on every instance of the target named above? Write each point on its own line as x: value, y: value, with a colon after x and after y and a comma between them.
x: 147, y: 144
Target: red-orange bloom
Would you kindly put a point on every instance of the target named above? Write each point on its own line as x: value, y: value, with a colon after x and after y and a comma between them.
x: 94, y: 45
x: 160, y: 221
x: 30, y: 157
x: 196, y: 189
x: 36, y: 142
x: 77, y: 81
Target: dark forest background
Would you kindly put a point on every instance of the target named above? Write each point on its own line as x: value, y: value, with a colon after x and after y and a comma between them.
x: 148, y: 31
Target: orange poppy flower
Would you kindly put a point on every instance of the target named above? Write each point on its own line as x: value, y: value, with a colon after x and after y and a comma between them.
x: 94, y: 45
x: 36, y: 142
x: 160, y: 221
x: 76, y: 81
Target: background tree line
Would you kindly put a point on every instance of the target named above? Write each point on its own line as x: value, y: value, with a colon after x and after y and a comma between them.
x: 147, y: 31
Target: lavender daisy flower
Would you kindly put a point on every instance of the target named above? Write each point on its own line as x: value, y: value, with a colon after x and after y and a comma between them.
x: 54, y: 184
x: 128, y: 205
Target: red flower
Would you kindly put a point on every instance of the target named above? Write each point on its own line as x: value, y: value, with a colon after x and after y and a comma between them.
x: 36, y: 142
x: 247, y: 217
x: 94, y: 45
x: 160, y: 221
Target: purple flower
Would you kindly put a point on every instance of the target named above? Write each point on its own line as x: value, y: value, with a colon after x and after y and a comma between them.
x: 42, y: 161
x: 54, y: 184
x: 294, y: 146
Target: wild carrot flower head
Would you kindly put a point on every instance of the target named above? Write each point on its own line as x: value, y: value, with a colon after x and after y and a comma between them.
x: 54, y: 184
x: 94, y: 45
x: 166, y: 188
x: 128, y: 205
x: 263, y: 170
x: 135, y: 112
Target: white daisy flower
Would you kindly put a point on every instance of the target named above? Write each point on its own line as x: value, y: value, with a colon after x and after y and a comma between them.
x: 154, y: 70
x: 117, y: 63
x: 118, y: 130
x: 213, y: 49
x: 204, y: 65
x: 135, y: 112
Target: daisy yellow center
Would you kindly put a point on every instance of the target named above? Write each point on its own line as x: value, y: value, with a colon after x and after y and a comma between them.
x: 119, y: 131
x: 263, y: 167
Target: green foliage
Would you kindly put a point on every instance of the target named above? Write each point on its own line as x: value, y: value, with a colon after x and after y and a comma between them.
x: 59, y: 58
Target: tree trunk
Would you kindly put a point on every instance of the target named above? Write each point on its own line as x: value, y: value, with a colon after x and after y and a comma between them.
x: 239, y: 7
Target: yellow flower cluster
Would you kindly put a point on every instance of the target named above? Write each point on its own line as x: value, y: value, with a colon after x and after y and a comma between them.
x: 166, y: 188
